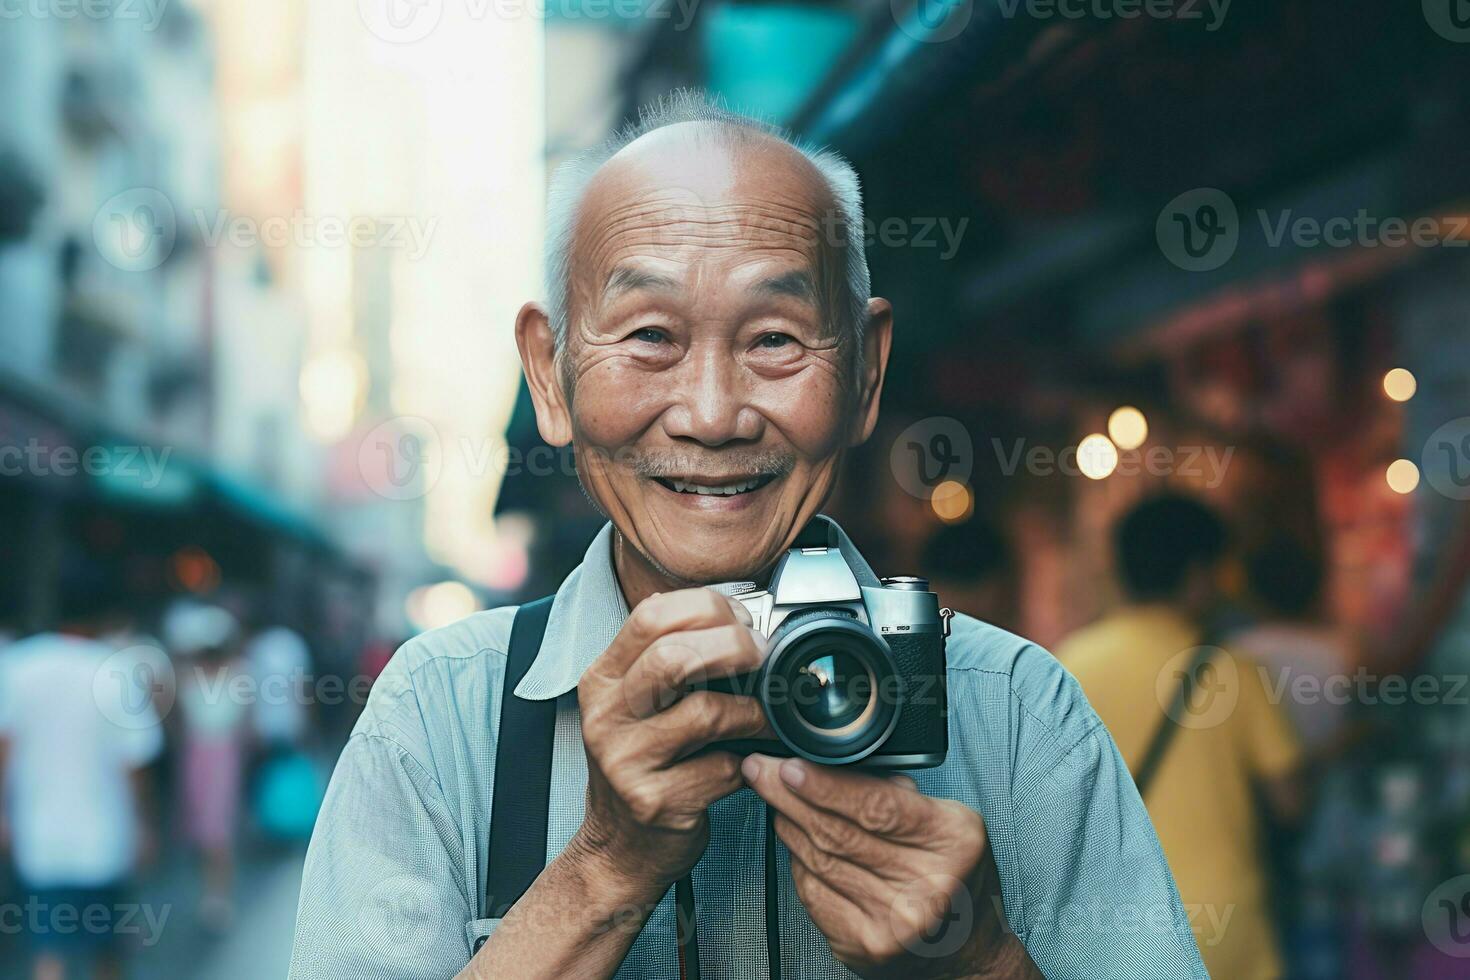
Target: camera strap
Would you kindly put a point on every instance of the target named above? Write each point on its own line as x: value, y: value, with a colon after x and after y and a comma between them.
x: 521, y: 797
x: 521, y: 802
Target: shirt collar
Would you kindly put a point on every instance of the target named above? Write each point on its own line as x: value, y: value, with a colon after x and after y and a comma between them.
x: 590, y: 609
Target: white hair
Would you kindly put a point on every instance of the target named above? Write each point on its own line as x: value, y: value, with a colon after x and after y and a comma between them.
x: 569, y: 183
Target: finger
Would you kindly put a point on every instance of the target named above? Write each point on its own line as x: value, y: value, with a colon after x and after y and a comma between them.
x: 827, y: 907
x: 659, y: 615
x: 704, y: 717
x: 830, y: 832
x: 875, y: 803
x: 673, y: 662
x: 706, y: 778
x: 858, y: 884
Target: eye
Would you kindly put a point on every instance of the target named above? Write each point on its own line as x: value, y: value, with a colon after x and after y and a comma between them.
x: 649, y: 335
x: 775, y: 341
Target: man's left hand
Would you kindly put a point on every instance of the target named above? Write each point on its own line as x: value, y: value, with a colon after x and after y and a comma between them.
x: 901, y: 884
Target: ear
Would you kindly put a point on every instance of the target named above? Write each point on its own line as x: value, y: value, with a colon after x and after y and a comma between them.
x: 538, y: 359
x: 877, y: 341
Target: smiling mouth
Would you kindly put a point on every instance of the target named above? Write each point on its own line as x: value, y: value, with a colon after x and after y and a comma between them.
x: 708, y: 488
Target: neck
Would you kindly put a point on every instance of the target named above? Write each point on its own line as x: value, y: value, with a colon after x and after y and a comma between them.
x: 638, y: 577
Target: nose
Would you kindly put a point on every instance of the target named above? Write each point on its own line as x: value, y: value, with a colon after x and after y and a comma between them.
x: 711, y: 404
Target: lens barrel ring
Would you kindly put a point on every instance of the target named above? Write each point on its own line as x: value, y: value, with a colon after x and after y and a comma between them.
x: 819, y: 633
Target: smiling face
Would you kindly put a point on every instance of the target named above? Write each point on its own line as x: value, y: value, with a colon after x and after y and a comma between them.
x: 707, y: 381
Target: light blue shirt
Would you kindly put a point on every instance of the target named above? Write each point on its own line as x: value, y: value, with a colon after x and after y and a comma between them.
x: 395, y: 875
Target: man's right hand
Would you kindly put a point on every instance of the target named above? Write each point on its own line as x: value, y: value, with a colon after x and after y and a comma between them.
x: 647, y: 789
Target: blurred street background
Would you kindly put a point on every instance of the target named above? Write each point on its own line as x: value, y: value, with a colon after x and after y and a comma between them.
x: 261, y: 416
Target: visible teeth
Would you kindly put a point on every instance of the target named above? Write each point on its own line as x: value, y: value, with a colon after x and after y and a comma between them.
x: 726, y: 490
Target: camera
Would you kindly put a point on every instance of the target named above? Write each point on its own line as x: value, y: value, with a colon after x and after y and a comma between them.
x: 853, y: 673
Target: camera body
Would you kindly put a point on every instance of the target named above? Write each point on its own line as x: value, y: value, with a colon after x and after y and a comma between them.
x: 853, y: 673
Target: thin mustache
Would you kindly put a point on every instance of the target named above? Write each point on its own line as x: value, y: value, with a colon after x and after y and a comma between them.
x: 764, y: 462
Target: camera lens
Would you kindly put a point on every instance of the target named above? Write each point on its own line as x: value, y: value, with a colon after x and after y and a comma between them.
x: 832, y: 691
x: 830, y: 686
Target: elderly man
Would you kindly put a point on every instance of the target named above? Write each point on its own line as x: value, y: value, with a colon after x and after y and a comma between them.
x: 710, y: 349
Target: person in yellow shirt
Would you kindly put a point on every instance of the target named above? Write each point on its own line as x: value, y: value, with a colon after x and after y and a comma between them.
x: 1148, y: 668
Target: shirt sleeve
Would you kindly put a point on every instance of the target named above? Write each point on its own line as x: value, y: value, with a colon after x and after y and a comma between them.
x: 383, y: 892
x: 1096, y: 894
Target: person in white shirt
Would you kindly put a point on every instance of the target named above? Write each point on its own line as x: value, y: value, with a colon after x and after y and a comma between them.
x: 78, y: 725
x: 280, y: 665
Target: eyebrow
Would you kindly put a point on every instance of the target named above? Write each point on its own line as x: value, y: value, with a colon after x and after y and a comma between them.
x: 625, y: 279
x: 796, y: 284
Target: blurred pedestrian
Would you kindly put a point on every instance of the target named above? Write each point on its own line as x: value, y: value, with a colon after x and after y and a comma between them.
x: 973, y: 569
x: 1300, y: 650
x: 1196, y: 727
x: 280, y: 664
x: 286, y: 787
x: 1293, y: 640
x: 77, y: 730
x: 214, y: 716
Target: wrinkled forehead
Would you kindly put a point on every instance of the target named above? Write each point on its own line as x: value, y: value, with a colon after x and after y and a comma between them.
x: 686, y: 190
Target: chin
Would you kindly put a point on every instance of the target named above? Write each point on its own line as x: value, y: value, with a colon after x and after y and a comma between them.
x: 721, y: 561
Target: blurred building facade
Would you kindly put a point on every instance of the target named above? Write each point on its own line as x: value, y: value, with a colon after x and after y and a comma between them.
x: 148, y: 376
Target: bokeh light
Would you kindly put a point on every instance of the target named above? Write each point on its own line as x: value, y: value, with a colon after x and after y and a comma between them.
x: 952, y: 502
x: 1402, y: 476
x: 1400, y: 384
x: 431, y: 606
x: 1097, y: 457
x: 1127, y: 427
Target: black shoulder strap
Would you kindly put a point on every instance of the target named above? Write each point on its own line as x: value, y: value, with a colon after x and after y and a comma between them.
x: 1164, y: 735
x: 522, y: 793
